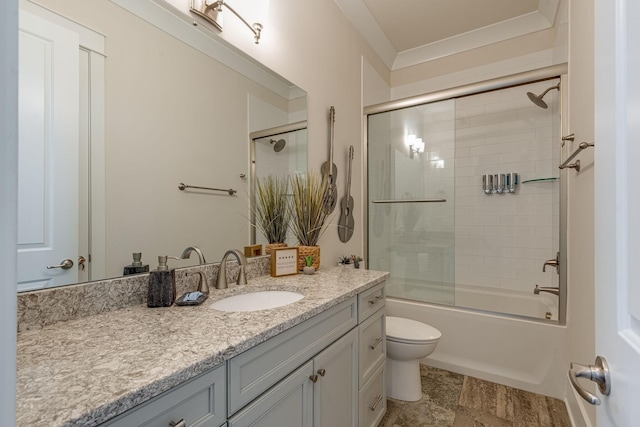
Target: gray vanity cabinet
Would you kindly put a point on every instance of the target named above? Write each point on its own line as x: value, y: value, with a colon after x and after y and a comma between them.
x: 323, y: 392
x: 199, y: 402
x: 327, y: 371
x: 372, y: 356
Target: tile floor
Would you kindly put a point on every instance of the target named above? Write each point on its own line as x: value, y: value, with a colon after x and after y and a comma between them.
x: 455, y: 400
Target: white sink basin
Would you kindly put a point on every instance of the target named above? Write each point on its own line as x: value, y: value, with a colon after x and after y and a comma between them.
x: 255, y: 301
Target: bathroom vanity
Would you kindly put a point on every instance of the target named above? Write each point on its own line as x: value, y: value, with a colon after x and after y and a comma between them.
x: 317, y: 362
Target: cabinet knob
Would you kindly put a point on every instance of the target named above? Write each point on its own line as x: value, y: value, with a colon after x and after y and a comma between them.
x: 314, y: 378
x: 321, y: 372
x: 180, y: 423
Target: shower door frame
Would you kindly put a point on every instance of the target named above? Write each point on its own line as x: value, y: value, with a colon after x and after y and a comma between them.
x: 554, y: 71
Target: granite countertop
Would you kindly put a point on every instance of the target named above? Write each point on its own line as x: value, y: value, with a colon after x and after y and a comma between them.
x: 83, y: 372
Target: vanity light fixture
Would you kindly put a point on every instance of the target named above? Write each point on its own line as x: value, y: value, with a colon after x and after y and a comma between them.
x: 212, y: 12
x: 416, y: 145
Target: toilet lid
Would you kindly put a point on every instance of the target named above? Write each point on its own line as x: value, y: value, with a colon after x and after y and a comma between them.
x: 407, y: 330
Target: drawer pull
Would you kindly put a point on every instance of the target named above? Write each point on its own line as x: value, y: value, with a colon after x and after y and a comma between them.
x: 375, y: 404
x: 375, y: 343
x: 180, y: 423
x: 375, y: 300
x: 314, y: 378
x: 321, y: 372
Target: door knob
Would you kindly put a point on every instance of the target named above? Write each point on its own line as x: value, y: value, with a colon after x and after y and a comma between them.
x: 65, y: 264
x: 598, y: 373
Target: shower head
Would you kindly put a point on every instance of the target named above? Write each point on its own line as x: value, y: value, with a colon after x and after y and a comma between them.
x: 278, y: 145
x: 537, y: 99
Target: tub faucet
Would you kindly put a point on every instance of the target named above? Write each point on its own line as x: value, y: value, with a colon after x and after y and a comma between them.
x: 221, y: 283
x: 187, y: 253
x: 551, y: 290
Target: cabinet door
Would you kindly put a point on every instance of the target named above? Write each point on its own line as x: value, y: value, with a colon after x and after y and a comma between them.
x: 287, y: 404
x: 336, y: 388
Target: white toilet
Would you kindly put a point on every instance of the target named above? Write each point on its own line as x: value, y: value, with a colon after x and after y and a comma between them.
x: 408, y: 341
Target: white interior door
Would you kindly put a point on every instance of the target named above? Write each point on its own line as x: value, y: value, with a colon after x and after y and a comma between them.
x: 48, y: 153
x: 617, y: 209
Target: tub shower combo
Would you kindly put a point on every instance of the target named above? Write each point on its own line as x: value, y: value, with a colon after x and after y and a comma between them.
x: 466, y: 208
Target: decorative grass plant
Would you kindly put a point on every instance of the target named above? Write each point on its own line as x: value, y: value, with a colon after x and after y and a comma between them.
x: 308, y: 216
x: 271, y: 210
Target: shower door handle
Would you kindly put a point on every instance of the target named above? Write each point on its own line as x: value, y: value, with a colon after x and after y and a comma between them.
x: 598, y: 373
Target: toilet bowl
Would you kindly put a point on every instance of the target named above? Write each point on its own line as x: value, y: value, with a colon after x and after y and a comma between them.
x: 408, y: 341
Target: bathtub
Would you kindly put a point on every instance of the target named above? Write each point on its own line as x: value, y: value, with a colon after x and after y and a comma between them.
x: 509, y: 350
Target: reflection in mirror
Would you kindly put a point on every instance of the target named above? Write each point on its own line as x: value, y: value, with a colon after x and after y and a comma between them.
x: 171, y: 114
x: 279, y: 151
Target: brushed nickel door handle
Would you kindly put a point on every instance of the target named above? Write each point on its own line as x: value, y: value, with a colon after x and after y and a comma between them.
x: 598, y: 373
x: 65, y: 264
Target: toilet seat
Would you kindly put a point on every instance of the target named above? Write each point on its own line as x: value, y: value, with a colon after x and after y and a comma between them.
x: 410, y: 331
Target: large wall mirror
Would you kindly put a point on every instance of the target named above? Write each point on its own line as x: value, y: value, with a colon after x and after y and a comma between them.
x: 154, y: 111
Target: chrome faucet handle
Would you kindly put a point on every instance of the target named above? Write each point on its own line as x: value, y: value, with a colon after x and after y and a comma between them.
x: 242, y: 261
x: 203, y: 283
x: 549, y: 289
x: 554, y: 262
x: 221, y: 282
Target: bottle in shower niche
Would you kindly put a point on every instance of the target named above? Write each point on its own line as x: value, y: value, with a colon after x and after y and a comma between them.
x: 162, y: 285
x: 136, y: 266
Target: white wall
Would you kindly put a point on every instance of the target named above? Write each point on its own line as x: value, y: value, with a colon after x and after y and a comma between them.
x: 8, y: 205
x: 581, y: 282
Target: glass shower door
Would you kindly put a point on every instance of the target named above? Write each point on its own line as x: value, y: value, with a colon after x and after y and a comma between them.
x: 411, y: 200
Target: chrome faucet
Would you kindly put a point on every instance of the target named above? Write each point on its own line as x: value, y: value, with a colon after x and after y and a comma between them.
x: 221, y: 283
x: 203, y: 283
x: 555, y: 262
x: 187, y: 253
x: 551, y: 290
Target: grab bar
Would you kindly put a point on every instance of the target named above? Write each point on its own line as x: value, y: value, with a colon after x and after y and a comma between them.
x: 575, y: 165
x: 410, y: 201
x: 183, y: 187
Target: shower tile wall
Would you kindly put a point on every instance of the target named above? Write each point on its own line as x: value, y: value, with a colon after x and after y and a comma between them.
x: 502, y: 240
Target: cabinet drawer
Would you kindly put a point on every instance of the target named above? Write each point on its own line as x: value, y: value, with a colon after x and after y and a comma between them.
x: 373, y: 345
x: 371, y: 301
x: 254, y: 371
x: 373, y: 400
x: 200, y: 402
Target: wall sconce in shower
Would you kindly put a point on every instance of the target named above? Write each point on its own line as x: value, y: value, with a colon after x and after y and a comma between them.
x: 416, y: 145
x: 212, y: 12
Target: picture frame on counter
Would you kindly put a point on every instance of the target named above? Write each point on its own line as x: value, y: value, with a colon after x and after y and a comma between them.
x: 284, y: 261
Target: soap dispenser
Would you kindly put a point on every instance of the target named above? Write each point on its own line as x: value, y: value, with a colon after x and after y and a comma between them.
x: 136, y: 266
x: 162, y: 285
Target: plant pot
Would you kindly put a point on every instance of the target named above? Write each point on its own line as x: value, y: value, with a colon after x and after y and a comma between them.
x: 304, y: 251
x: 269, y: 246
x: 308, y: 270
